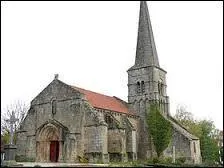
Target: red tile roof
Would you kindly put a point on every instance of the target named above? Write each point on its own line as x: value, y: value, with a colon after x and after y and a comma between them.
x: 98, y: 100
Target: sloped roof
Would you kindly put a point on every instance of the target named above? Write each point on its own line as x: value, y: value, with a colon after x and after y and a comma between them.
x: 146, y: 54
x: 181, y: 129
x: 98, y: 100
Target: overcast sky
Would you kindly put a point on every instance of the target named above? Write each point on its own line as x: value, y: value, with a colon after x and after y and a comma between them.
x: 92, y: 44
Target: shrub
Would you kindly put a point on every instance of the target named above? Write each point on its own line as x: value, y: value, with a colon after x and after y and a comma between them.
x: 23, y: 158
x: 155, y: 160
x: 209, y: 163
x: 181, y: 160
x: 168, y: 160
x: 160, y: 129
x: 149, y: 161
x: 82, y: 159
x: 136, y: 163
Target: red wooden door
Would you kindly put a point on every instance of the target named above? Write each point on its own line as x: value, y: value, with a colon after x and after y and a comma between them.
x: 54, y: 151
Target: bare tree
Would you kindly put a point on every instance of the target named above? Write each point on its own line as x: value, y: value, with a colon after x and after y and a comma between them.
x: 184, y: 117
x: 19, y: 108
x: 183, y: 114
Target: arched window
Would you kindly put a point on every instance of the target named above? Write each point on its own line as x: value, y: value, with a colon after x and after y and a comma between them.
x: 138, y: 87
x: 159, y: 88
x: 194, y: 147
x: 162, y: 107
x: 54, y: 103
x: 109, y: 120
x: 143, y: 86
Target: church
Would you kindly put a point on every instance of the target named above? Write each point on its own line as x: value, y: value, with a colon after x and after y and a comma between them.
x: 66, y: 123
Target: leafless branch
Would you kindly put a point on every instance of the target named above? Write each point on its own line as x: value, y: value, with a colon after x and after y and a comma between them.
x: 20, y: 109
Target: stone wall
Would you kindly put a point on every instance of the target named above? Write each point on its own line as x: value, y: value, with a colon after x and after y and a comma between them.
x: 79, y: 128
x: 21, y: 143
x: 95, y: 143
x: 26, y: 136
x: 196, y: 152
x: 127, y: 123
x: 117, y: 144
x: 182, y: 146
x: 66, y: 114
x: 69, y: 112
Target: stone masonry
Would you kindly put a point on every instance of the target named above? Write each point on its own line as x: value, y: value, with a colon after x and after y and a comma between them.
x: 68, y: 124
x: 147, y: 84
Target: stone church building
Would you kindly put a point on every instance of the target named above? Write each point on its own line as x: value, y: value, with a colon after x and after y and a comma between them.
x: 65, y: 122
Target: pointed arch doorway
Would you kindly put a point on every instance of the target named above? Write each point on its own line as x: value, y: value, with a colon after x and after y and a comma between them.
x: 48, y: 144
x: 50, y: 141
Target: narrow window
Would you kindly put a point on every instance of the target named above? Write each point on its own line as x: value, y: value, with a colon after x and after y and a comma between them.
x: 53, y: 107
x: 194, y: 147
x: 143, y: 86
x: 109, y: 121
x: 138, y: 87
x: 162, y: 109
x: 159, y: 88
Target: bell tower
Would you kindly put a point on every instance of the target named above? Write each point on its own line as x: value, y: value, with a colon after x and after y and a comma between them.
x: 146, y: 80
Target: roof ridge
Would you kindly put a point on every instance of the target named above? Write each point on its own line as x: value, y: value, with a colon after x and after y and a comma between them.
x: 186, y: 132
x: 123, y: 101
x: 99, y: 100
x: 93, y: 91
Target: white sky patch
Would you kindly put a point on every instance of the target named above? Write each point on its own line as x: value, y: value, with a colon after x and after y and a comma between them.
x: 92, y: 44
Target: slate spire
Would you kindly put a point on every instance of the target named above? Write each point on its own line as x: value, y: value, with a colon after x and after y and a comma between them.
x: 146, y: 54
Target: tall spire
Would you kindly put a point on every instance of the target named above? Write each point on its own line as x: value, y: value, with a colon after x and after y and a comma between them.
x: 146, y: 54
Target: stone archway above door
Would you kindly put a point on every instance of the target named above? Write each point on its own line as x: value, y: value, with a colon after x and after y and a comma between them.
x: 51, y: 132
